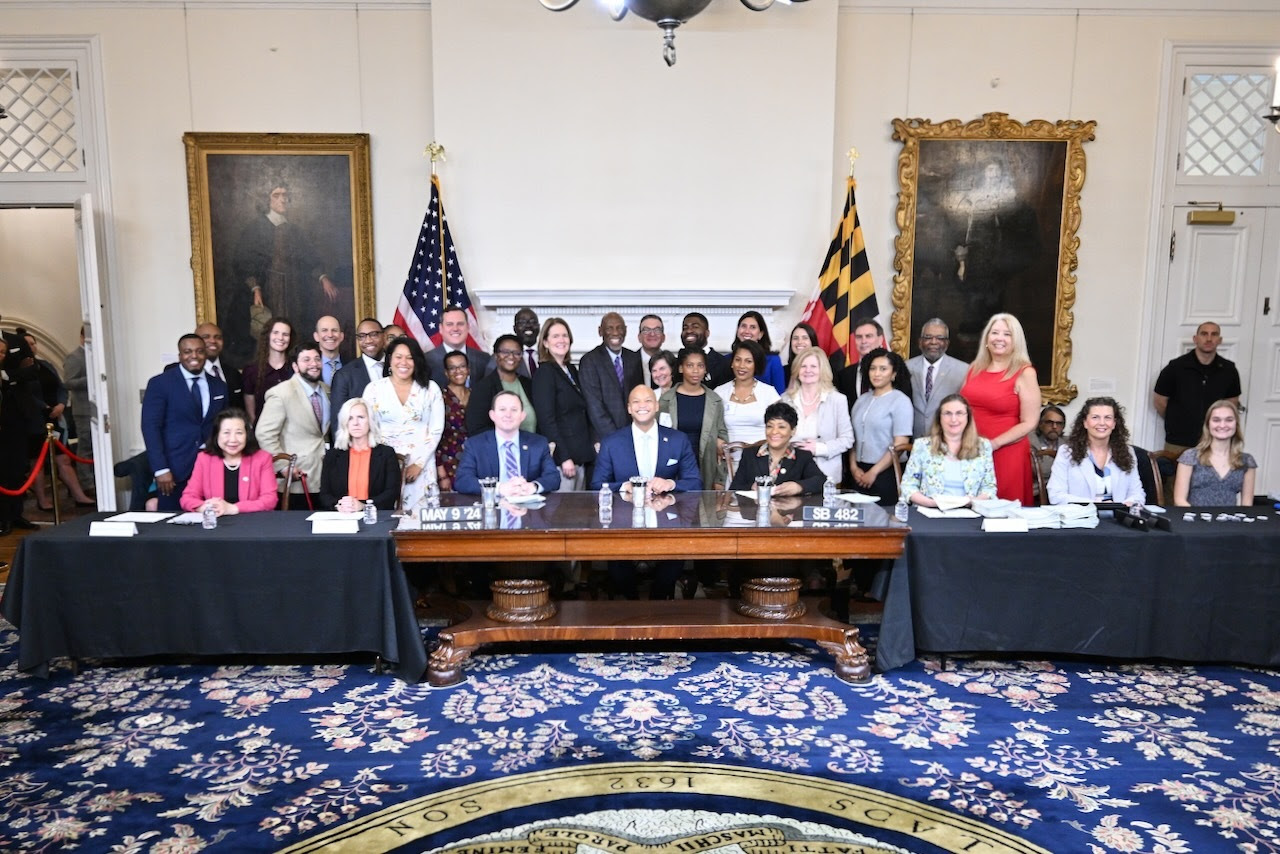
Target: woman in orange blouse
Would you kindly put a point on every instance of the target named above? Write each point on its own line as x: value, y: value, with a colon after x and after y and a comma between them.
x: 359, y: 468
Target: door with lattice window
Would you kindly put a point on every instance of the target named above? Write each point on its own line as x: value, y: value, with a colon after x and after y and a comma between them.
x: 1224, y: 267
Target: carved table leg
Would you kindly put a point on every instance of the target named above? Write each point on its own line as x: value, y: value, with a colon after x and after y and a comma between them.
x: 852, y: 664
x: 445, y: 665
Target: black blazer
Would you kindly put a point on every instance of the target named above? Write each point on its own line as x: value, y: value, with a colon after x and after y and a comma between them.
x: 483, y: 391
x: 803, y: 471
x: 562, y: 414
x: 350, y: 381
x: 384, y: 477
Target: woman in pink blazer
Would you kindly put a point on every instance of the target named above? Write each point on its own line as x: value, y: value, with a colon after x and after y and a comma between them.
x: 233, y: 475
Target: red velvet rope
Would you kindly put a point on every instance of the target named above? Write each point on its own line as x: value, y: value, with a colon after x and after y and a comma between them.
x: 67, y: 451
x: 44, y: 452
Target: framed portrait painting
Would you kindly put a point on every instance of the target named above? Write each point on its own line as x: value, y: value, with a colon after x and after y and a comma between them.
x: 281, y: 224
x: 988, y: 214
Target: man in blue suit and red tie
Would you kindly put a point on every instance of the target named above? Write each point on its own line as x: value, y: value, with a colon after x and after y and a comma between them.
x: 177, y: 415
x: 665, y: 457
x: 521, y: 461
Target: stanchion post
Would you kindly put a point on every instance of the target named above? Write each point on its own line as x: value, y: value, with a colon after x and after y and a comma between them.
x: 53, y: 472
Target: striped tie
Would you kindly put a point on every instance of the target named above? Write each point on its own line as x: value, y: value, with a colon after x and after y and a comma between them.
x: 509, y: 459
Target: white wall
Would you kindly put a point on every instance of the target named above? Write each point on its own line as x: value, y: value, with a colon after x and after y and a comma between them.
x: 170, y: 70
x: 339, y: 68
x: 41, y: 288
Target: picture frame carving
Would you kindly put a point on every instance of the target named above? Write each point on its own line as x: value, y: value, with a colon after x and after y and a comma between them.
x: 322, y: 265
x: 988, y: 219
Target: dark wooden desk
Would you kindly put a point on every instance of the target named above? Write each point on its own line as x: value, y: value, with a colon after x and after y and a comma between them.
x: 700, y: 525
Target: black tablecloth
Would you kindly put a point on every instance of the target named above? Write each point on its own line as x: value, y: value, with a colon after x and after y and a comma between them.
x: 258, y: 583
x: 1205, y: 591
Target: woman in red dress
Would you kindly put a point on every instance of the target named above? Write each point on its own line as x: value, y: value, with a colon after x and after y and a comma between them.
x: 1004, y: 393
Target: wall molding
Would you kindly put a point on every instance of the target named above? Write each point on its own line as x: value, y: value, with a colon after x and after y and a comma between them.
x: 971, y: 7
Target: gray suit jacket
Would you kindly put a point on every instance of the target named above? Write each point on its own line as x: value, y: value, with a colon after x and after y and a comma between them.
x: 287, y: 424
x: 948, y: 378
x: 606, y: 399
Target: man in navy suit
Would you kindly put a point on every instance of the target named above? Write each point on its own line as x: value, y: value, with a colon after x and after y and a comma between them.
x: 659, y: 453
x: 521, y: 461
x: 177, y: 415
x: 668, y: 459
x: 351, y: 378
x: 523, y: 466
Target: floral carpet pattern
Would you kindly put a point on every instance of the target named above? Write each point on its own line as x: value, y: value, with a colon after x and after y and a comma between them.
x: 1081, y: 756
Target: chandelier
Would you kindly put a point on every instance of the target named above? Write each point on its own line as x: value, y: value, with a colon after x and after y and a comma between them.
x: 667, y: 14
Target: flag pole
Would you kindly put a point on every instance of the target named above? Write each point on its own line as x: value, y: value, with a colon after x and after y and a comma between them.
x: 435, y: 151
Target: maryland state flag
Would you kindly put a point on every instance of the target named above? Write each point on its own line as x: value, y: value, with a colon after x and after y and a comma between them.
x: 845, y: 292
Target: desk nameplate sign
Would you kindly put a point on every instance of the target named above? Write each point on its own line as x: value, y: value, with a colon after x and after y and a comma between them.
x: 112, y: 529
x: 834, y: 515
x: 335, y: 526
x: 465, y: 513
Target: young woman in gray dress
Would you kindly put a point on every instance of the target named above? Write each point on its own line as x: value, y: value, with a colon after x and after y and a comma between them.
x: 1217, y: 472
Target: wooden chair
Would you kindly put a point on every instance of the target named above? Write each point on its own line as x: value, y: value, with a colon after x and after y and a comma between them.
x: 1041, y: 484
x: 287, y: 474
x: 901, y: 453
x: 726, y: 454
x: 399, y: 510
x: 1149, y: 474
x: 1156, y: 457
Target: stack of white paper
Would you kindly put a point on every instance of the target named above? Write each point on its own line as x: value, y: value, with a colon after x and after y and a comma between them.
x: 995, y: 508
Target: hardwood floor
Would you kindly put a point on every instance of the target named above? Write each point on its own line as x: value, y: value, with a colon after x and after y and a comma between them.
x: 43, y: 518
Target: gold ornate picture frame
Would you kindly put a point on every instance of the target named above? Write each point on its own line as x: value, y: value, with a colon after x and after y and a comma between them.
x: 288, y: 213
x: 988, y: 214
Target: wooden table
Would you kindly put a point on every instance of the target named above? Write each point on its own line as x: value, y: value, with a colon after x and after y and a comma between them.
x: 700, y: 525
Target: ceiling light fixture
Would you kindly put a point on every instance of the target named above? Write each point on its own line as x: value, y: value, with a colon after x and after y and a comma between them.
x: 667, y: 14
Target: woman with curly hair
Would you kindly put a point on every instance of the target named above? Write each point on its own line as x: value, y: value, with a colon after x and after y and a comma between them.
x: 1096, y: 463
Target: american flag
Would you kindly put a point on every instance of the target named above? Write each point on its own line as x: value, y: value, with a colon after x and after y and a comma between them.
x: 435, y: 281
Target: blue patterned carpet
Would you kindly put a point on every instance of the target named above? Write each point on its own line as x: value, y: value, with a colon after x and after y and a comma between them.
x: 1089, y: 757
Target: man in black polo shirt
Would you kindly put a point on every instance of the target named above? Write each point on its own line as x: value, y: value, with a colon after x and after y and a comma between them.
x: 1189, y: 384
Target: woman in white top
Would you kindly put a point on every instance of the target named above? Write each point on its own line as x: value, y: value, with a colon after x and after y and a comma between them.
x: 409, y: 410
x: 745, y: 397
x: 1096, y: 463
x: 824, y: 429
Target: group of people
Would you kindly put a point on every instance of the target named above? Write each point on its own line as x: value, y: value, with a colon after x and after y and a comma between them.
x: 33, y: 393
x: 455, y: 413
x: 1198, y: 393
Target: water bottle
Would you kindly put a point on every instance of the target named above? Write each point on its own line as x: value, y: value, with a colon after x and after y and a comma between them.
x: 431, y: 496
x: 900, y: 510
x: 209, y: 518
x: 829, y: 493
x: 370, y: 513
x: 605, y: 497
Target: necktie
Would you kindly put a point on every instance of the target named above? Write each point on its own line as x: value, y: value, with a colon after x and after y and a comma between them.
x: 533, y: 363
x: 928, y: 382
x: 214, y: 369
x: 318, y: 408
x: 617, y: 368
x: 195, y: 396
x: 509, y: 460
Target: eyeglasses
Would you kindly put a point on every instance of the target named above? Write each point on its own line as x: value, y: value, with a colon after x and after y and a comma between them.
x: 453, y: 369
x: 935, y: 338
x: 508, y: 352
x: 367, y: 336
x: 1048, y: 423
x: 650, y: 330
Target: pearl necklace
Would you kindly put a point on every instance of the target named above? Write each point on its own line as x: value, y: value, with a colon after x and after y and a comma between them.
x: 230, y: 467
